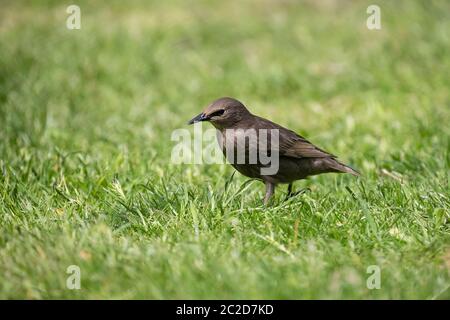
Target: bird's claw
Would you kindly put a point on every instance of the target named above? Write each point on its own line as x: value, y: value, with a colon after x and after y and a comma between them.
x: 294, y: 194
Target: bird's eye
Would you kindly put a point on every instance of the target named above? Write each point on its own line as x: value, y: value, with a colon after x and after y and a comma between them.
x: 218, y: 113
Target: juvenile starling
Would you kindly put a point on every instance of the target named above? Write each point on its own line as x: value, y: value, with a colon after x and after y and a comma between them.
x: 297, y: 158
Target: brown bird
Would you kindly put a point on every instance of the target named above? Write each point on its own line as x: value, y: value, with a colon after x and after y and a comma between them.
x: 297, y: 158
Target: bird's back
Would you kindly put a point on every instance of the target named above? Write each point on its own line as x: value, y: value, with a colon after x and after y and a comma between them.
x: 298, y: 158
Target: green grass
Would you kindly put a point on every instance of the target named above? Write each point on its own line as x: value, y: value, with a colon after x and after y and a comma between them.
x: 86, y: 179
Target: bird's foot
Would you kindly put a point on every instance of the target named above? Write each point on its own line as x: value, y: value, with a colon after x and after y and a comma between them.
x: 294, y: 194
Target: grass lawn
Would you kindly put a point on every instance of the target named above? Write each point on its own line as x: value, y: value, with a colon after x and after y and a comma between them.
x: 86, y: 118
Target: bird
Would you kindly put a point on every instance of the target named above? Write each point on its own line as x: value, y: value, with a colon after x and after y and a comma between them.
x: 297, y: 157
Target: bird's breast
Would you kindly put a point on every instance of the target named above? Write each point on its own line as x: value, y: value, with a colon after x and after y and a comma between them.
x: 246, y: 150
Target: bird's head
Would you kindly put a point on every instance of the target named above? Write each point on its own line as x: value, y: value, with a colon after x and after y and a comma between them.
x: 222, y: 113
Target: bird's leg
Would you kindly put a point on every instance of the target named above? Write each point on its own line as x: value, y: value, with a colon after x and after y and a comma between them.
x: 289, y: 190
x: 290, y: 193
x: 270, y: 188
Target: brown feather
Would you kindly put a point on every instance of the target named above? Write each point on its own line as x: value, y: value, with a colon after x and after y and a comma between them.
x: 298, y: 158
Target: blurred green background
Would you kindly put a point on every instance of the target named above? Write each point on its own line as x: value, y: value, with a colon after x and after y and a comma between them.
x: 86, y: 118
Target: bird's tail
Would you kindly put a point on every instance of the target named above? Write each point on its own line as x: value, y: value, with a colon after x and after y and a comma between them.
x: 340, y: 167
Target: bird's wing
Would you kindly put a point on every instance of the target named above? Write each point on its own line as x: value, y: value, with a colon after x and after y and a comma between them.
x: 292, y: 144
x: 299, y: 147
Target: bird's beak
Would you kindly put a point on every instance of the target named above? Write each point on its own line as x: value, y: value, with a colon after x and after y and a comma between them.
x: 200, y: 117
